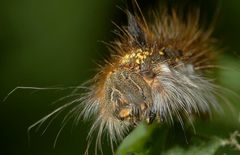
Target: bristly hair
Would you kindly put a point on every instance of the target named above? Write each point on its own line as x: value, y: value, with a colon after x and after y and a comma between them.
x: 155, y: 73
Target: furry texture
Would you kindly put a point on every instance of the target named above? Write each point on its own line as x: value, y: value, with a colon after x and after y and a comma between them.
x: 156, y: 73
x: 153, y: 74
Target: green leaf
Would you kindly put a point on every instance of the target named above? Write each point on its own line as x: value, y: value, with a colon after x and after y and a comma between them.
x: 135, y: 142
x: 147, y: 140
x: 209, y: 147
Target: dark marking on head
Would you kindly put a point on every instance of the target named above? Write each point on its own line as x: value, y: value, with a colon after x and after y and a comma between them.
x: 152, y: 116
x: 179, y: 53
x: 139, y: 38
x: 172, y: 53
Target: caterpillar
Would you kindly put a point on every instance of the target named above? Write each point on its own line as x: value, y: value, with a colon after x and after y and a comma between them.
x: 156, y: 73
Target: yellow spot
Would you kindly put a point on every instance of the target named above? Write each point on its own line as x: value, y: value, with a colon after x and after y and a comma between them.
x: 139, y: 50
x: 124, y: 113
x: 125, y: 59
x: 137, y: 61
x: 146, y: 53
x: 132, y: 55
x: 161, y: 53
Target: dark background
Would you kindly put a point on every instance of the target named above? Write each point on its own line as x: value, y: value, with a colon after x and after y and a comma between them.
x: 49, y: 43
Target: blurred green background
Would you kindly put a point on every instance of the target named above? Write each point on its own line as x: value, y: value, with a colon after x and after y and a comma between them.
x: 48, y: 43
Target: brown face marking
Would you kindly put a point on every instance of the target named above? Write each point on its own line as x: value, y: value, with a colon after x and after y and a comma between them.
x: 128, y: 94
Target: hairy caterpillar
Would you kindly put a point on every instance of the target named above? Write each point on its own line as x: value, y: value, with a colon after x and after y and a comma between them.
x: 156, y: 72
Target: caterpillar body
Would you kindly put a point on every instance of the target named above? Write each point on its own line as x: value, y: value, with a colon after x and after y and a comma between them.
x: 155, y: 73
